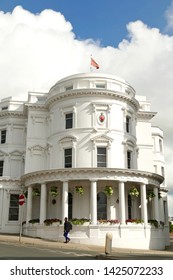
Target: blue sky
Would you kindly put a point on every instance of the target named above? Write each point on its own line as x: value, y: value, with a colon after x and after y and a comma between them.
x: 100, y: 19
x: 132, y: 39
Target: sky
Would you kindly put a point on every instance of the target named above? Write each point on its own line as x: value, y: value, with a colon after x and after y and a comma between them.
x: 42, y: 41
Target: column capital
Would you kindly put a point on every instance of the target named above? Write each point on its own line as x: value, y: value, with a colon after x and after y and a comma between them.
x: 93, y: 180
x: 123, y: 180
x: 64, y: 181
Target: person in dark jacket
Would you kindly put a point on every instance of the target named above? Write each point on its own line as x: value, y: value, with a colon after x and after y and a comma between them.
x: 67, y: 228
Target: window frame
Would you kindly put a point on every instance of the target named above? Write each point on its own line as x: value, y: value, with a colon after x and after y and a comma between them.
x: 1, y: 167
x: 68, y: 164
x: 69, y: 87
x: 3, y: 136
x: 129, y: 159
x: 11, y: 216
x: 101, y: 205
x: 128, y: 124
x: 68, y: 120
x: 101, y: 163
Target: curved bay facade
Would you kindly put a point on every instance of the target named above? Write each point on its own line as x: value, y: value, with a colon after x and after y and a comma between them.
x: 90, y: 131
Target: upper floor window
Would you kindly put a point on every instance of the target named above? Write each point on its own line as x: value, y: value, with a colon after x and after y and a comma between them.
x: 68, y: 120
x: 14, y: 207
x: 160, y: 146
x: 101, y: 85
x: 4, y: 108
x: 128, y: 121
x: 68, y: 158
x: 1, y: 167
x: 101, y: 157
x: 129, y: 159
x: 162, y: 171
x: 69, y: 87
x: 3, y: 136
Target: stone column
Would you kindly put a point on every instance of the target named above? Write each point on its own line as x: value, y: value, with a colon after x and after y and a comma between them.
x: 64, y: 200
x: 43, y: 203
x: 156, y: 205
x: 29, y: 205
x: 122, y: 203
x: 144, y: 213
x: 93, y: 202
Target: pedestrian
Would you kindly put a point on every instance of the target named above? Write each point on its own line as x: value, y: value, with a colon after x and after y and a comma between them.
x: 67, y: 228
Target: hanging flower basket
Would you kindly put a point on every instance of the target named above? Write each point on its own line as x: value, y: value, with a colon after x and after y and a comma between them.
x: 79, y: 189
x: 109, y: 190
x: 150, y: 195
x: 53, y: 191
x: 36, y: 192
x: 134, y: 192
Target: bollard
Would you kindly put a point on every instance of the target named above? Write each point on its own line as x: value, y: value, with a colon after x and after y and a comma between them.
x: 108, y: 243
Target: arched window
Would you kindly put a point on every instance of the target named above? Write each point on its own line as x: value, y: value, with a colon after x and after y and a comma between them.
x: 101, y: 206
x: 70, y: 205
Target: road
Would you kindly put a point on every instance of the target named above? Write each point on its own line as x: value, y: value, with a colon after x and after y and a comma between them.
x: 37, y: 249
x: 10, y: 251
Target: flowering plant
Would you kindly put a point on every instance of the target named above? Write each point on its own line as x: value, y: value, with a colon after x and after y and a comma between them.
x: 114, y: 221
x: 109, y: 190
x: 135, y: 221
x: 79, y: 189
x: 34, y: 221
x: 134, y: 192
x: 81, y: 221
x: 48, y: 222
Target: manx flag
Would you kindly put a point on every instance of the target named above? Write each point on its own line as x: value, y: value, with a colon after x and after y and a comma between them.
x: 94, y: 63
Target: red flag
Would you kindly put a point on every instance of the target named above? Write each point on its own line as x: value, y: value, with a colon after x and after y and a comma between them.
x: 94, y: 64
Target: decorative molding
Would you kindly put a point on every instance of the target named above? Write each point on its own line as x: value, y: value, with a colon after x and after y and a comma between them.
x: 92, y: 92
x: 128, y: 175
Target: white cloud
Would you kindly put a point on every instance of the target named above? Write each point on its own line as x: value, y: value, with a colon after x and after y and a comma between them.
x: 169, y: 17
x: 37, y: 50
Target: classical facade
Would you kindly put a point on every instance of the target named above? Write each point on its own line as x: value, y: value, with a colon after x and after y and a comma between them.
x: 85, y: 150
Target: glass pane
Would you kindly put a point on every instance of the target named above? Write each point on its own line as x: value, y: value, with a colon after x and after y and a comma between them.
x: 101, y: 151
x: 68, y: 152
x: 69, y: 120
x: 101, y: 206
x: 13, y: 214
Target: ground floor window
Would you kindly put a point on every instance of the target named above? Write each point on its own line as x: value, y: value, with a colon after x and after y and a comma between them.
x: 101, y: 206
x: 14, y: 208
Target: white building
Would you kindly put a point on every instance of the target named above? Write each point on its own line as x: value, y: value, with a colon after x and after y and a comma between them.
x: 89, y: 130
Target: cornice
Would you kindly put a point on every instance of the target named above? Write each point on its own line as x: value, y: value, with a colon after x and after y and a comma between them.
x: 12, y: 113
x: 146, y: 114
x: 126, y: 175
x: 91, y: 92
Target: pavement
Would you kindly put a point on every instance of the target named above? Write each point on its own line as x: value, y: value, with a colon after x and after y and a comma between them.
x: 116, y: 253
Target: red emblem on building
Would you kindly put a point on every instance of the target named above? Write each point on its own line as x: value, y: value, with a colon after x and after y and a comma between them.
x: 101, y: 117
